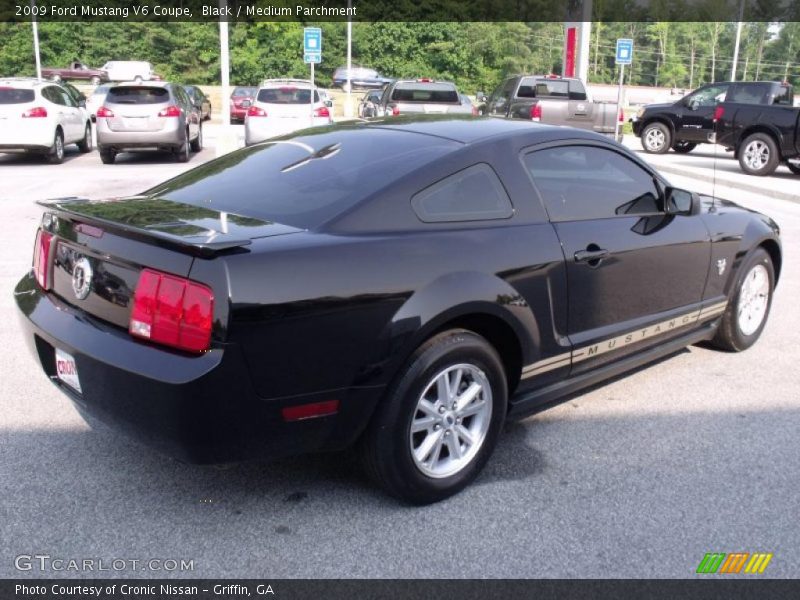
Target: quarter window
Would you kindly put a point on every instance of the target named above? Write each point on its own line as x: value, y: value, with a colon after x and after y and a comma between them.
x: 474, y: 194
x: 587, y: 182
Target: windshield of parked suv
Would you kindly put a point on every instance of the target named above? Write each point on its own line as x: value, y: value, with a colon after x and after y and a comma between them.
x: 425, y: 92
x: 9, y: 95
x: 137, y: 95
x: 306, y: 180
x: 286, y: 95
x: 242, y: 92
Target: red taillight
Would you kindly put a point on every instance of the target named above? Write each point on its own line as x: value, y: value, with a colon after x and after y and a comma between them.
x: 170, y: 111
x: 256, y: 111
x: 536, y: 112
x: 105, y: 112
x: 621, y: 116
x: 719, y: 112
x: 395, y: 111
x: 38, y: 111
x: 173, y: 311
x: 322, y: 111
x: 425, y: 80
x: 474, y: 111
x: 309, y: 411
x: 41, y: 257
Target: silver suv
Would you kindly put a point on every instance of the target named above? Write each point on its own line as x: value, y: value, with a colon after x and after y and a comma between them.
x: 149, y: 116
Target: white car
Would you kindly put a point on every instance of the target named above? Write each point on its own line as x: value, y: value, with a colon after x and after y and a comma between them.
x: 97, y: 98
x: 282, y: 106
x: 41, y: 117
x: 130, y: 70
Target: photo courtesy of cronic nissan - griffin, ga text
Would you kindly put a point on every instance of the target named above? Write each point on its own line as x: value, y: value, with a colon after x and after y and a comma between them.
x: 403, y: 285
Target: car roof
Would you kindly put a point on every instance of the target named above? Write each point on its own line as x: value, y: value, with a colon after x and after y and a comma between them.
x: 26, y: 82
x: 465, y: 128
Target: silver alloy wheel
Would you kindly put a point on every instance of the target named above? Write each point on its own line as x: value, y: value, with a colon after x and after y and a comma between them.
x: 753, y: 300
x: 451, y: 420
x: 756, y: 155
x: 655, y: 139
x: 59, y: 147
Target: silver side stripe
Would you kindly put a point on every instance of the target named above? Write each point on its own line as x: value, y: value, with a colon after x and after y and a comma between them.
x: 563, y: 360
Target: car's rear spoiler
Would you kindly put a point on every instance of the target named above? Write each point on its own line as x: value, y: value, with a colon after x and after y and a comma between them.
x: 206, y: 247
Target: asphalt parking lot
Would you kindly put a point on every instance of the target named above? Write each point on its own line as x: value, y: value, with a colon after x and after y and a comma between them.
x: 639, y: 477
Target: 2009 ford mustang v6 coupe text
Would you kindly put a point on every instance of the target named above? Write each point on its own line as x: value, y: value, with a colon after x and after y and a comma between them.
x: 403, y: 285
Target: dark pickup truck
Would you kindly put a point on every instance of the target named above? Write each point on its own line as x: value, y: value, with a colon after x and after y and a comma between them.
x: 76, y: 71
x: 552, y: 100
x: 683, y: 124
x: 761, y: 136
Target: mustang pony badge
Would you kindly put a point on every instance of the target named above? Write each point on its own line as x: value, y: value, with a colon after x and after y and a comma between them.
x: 82, y: 278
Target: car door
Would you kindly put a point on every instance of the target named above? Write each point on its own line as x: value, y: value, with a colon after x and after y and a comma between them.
x: 189, y: 110
x: 631, y: 266
x: 500, y: 100
x: 64, y: 116
x: 697, y: 119
x: 74, y: 116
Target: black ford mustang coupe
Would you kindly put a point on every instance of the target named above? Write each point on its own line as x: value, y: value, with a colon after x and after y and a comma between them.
x: 403, y: 285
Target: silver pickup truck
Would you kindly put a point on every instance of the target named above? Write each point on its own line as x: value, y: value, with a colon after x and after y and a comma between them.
x: 553, y: 100
x: 421, y: 96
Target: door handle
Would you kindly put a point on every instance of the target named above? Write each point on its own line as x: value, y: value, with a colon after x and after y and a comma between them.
x: 592, y: 255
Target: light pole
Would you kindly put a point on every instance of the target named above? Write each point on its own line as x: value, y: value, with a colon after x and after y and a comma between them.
x: 738, y: 39
x: 348, y: 107
x: 36, y: 41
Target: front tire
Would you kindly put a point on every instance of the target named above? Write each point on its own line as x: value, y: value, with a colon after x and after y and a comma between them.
x: 759, y: 154
x: 656, y: 138
x: 748, y: 310
x: 439, y: 423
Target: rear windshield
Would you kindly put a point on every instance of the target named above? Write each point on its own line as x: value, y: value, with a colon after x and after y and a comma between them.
x: 138, y: 95
x: 533, y: 88
x: 102, y: 89
x: 10, y: 95
x: 240, y: 92
x: 425, y: 92
x: 286, y: 95
x: 307, y: 182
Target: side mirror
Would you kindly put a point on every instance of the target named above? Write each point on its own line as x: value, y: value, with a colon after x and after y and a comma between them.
x: 329, y: 103
x: 82, y: 103
x: 679, y: 202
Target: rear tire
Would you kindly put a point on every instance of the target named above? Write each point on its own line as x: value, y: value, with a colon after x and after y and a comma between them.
x: 95, y: 80
x: 85, y: 145
x: 758, y: 155
x: 56, y: 154
x: 656, y: 138
x: 683, y: 147
x: 182, y: 153
x: 197, y: 143
x: 421, y: 446
x: 748, y: 310
x: 108, y: 156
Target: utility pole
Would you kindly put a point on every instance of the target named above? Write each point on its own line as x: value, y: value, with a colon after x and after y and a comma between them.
x: 36, y: 41
x: 738, y: 39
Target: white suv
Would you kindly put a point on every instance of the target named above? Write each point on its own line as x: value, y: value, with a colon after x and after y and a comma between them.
x: 282, y: 106
x: 41, y: 117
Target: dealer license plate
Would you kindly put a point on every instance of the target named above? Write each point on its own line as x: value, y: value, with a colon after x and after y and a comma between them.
x: 67, y: 370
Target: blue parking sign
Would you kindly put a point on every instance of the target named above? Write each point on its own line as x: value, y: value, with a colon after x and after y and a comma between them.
x: 312, y: 40
x: 624, y: 51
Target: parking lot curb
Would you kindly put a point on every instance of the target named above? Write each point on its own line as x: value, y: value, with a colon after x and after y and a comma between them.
x: 720, y: 181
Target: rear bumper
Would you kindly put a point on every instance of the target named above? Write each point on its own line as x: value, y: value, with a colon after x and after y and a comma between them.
x: 238, y: 113
x: 27, y: 134
x: 259, y: 129
x: 199, y: 409
x: 171, y: 136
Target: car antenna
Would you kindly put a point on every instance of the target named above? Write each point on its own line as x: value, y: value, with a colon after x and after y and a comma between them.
x: 714, y: 170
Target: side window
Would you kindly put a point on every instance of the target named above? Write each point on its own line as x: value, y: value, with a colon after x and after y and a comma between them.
x: 181, y: 96
x: 708, y: 96
x: 53, y: 94
x: 579, y: 183
x: 502, y: 95
x: 67, y: 99
x: 576, y: 90
x: 473, y: 194
x: 783, y: 96
x: 749, y: 93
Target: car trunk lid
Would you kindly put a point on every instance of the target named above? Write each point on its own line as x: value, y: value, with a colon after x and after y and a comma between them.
x: 137, y: 108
